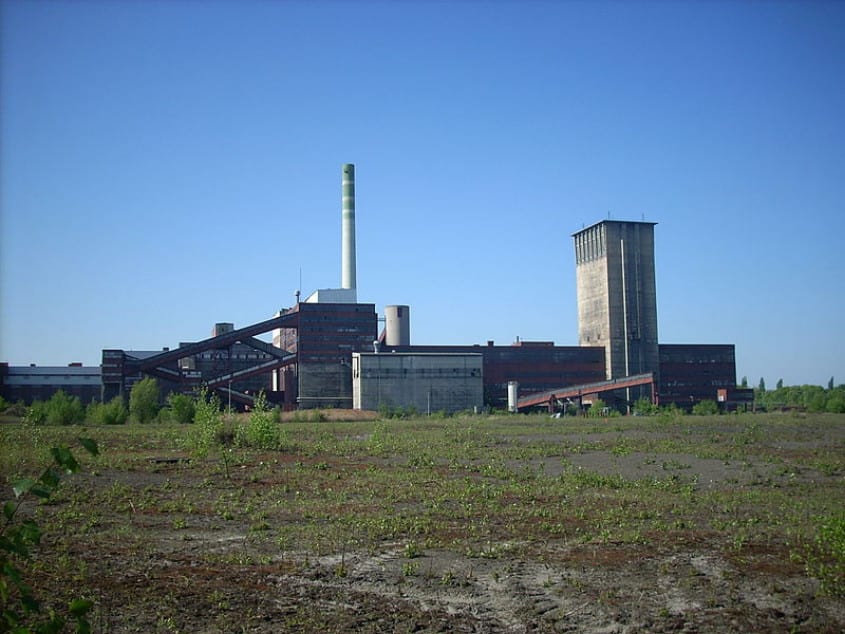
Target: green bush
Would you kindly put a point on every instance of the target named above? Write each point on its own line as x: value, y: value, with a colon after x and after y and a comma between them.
x: 208, y: 423
x: 387, y: 411
x: 598, y: 409
x: 64, y: 409
x: 16, y: 409
x: 112, y: 413
x: 261, y: 430
x: 143, y: 400
x: 644, y: 407
x: 36, y: 414
x: 705, y: 408
x: 182, y: 407
x: 836, y: 404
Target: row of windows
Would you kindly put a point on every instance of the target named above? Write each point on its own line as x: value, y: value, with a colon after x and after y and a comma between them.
x: 222, y: 354
x: 50, y: 379
x: 420, y: 372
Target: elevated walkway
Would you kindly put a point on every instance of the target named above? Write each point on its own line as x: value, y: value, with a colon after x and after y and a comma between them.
x: 551, y: 397
x: 244, y: 335
x: 162, y: 364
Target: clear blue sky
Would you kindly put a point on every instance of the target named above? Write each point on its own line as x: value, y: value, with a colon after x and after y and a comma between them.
x: 167, y: 165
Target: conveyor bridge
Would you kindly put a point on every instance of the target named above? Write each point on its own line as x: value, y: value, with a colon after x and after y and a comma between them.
x: 157, y: 365
x: 552, y: 397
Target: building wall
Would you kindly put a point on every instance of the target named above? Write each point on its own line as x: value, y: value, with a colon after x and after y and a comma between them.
x: 324, y: 340
x: 537, y: 368
x: 324, y: 385
x: 426, y: 382
x: 617, y: 295
x: 39, y: 383
x: 690, y: 373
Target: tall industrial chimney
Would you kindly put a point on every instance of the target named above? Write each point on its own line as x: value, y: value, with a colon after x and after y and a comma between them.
x: 347, y: 246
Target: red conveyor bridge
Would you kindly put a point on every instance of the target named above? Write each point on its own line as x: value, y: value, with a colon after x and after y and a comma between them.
x: 552, y: 397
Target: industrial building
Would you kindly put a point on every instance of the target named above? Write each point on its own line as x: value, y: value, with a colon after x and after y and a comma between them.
x: 321, y: 341
x: 223, y: 363
x: 425, y: 382
x: 690, y: 373
x: 536, y: 365
x: 38, y: 383
x: 327, y: 350
x: 617, y: 296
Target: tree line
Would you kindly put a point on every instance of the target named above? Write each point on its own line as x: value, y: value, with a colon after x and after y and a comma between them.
x: 144, y: 406
x: 810, y: 398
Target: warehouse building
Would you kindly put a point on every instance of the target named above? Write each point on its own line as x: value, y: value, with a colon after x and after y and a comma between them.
x: 536, y: 365
x: 691, y: 373
x: 38, y: 383
x: 424, y: 382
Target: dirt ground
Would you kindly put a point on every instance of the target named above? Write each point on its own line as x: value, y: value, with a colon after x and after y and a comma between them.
x: 162, y: 552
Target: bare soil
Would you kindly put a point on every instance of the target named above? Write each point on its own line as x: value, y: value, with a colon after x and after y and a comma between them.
x: 164, y: 542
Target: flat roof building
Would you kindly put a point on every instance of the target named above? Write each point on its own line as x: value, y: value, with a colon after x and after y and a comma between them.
x: 39, y: 383
x: 423, y: 382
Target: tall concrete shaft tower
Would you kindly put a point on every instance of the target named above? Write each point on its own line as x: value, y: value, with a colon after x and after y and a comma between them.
x: 617, y: 296
x: 347, y: 239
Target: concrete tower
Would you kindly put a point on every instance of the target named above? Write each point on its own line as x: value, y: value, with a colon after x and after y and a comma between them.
x: 617, y: 296
x: 347, y: 244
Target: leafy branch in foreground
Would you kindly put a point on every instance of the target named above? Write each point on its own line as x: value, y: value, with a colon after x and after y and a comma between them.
x: 22, y: 612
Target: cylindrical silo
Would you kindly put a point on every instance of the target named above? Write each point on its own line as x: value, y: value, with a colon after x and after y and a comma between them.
x: 513, y: 396
x: 397, y: 325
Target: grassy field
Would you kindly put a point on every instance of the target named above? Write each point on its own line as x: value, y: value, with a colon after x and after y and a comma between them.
x: 472, y: 524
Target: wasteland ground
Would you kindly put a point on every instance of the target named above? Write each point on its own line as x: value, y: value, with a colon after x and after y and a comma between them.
x: 467, y: 524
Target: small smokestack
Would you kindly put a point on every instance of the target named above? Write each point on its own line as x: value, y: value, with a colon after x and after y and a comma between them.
x: 347, y: 239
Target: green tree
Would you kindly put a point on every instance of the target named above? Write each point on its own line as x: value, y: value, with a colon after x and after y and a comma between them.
x: 143, y: 400
x: 836, y: 402
x: 762, y: 385
x: 64, y: 409
x: 182, y: 407
x: 744, y: 382
x: 830, y: 384
x: 815, y: 399
x: 779, y: 384
x: 112, y: 413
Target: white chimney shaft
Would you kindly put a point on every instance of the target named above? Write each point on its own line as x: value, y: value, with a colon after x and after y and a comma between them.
x: 347, y: 246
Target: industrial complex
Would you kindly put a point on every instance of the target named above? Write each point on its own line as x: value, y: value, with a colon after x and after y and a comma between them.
x: 327, y: 349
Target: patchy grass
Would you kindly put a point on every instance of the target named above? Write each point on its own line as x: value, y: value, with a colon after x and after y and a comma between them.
x: 499, y: 523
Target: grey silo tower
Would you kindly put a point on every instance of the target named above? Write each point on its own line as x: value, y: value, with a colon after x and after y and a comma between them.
x: 617, y: 296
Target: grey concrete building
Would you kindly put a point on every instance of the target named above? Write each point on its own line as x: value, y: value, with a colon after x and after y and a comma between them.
x: 427, y: 382
x: 617, y: 296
